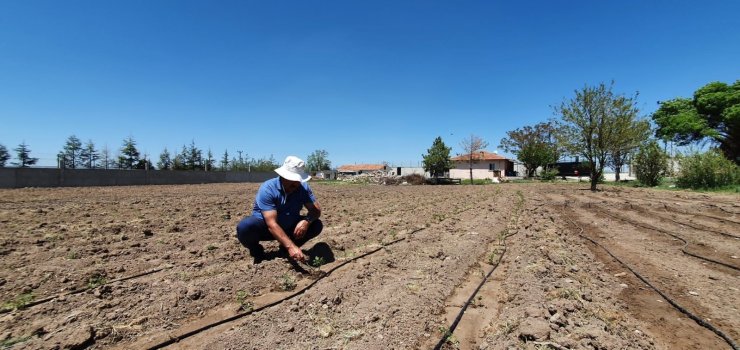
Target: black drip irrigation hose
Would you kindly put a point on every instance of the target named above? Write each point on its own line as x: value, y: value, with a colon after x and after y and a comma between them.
x: 461, y: 313
x: 685, y: 242
x: 175, y: 339
x: 84, y: 289
x: 675, y: 304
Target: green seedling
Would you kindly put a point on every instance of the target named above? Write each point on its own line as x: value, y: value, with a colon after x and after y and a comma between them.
x: 96, y: 281
x: 19, y: 302
x: 287, y: 283
x: 211, y: 247
x: 241, y: 298
x: 317, y: 261
x: 73, y: 255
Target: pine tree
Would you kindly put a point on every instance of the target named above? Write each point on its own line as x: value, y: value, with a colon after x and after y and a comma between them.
x: 23, y: 153
x: 4, y: 156
x: 129, y: 157
x: 437, y: 160
x: 89, y: 156
x: 165, y: 162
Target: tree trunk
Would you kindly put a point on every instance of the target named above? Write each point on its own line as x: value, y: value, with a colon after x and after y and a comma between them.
x: 617, y: 170
x: 594, y: 177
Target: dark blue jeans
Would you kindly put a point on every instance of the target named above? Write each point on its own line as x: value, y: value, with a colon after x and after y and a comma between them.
x: 251, y: 230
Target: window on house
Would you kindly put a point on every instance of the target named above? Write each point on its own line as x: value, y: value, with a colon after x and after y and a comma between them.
x: 492, y: 166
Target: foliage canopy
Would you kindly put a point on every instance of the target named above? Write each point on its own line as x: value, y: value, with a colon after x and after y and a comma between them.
x: 712, y: 114
x: 437, y: 160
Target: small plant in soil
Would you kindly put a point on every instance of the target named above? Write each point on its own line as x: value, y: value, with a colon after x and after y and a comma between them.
x: 241, y: 298
x: 96, y: 281
x: 7, y: 343
x: 211, y: 247
x: 317, y: 261
x: 507, y: 327
x: 19, y: 302
x: 287, y: 283
x: 73, y: 255
x: 449, y: 337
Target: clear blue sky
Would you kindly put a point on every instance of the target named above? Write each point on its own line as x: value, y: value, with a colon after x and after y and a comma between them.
x: 368, y: 81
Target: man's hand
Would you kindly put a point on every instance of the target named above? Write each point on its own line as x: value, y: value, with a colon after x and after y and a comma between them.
x: 300, y: 229
x: 296, y: 254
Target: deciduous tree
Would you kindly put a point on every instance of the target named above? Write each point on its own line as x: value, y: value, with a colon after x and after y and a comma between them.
x: 713, y: 114
x: 534, y: 146
x: 588, y: 125
x: 437, y: 160
x: 630, y: 132
x: 318, y: 160
x: 471, y: 146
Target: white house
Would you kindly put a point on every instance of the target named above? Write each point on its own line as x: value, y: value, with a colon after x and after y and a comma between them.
x: 486, y: 165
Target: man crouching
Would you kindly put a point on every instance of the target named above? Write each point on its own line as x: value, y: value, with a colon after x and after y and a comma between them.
x: 276, y: 213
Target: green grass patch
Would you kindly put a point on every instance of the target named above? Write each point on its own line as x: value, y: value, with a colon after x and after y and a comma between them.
x: 18, y: 302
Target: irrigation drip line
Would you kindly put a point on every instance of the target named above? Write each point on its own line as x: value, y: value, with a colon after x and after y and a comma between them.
x: 84, y: 289
x: 665, y: 207
x: 685, y: 242
x: 675, y: 304
x: 461, y: 313
x: 177, y: 338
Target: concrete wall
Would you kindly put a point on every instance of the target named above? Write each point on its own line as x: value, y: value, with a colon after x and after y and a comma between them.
x: 36, y: 177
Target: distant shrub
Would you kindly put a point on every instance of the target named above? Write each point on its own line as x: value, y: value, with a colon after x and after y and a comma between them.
x: 414, y: 179
x: 549, y: 174
x: 650, y: 164
x: 707, y: 170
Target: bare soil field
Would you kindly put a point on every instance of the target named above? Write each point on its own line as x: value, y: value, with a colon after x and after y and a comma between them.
x: 534, y: 266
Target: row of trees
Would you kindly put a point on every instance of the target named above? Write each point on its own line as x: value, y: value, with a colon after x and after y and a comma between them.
x: 75, y: 155
x: 23, y: 155
x: 605, y: 128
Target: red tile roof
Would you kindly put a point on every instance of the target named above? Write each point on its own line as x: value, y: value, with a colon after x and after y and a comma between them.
x: 360, y: 167
x: 482, y: 155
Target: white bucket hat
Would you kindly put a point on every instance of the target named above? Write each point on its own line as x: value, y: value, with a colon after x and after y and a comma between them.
x: 293, y: 169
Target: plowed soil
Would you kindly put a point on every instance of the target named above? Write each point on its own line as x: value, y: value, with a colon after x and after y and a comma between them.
x: 159, y: 266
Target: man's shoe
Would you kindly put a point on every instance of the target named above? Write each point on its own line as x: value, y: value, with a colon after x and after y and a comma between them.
x: 258, y: 254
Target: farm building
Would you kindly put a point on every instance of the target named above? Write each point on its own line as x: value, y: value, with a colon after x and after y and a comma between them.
x: 486, y: 165
x: 357, y: 169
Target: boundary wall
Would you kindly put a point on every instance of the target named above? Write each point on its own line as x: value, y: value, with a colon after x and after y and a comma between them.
x: 40, y: 177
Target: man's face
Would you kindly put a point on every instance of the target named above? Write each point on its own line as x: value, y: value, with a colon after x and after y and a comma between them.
x: 289, y: 186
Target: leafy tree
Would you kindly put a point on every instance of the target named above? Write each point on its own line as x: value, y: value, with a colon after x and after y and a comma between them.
x: 534, y: 146
x: 437, y: 160
x: 89, y: 156
x: 713, y: 114
x: 264, y: 164
x: 225, y: 161
x: 108, y: 161
x: 650, y: 164
x: 71, y: 152
x: 471, y: 146
x: 165, y: 161
x: 630, y: 133
x: 23, y: 154
x: 129, y: 157
x: 588, y: 125
x: 4, y: 156
x: 318, y: 160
